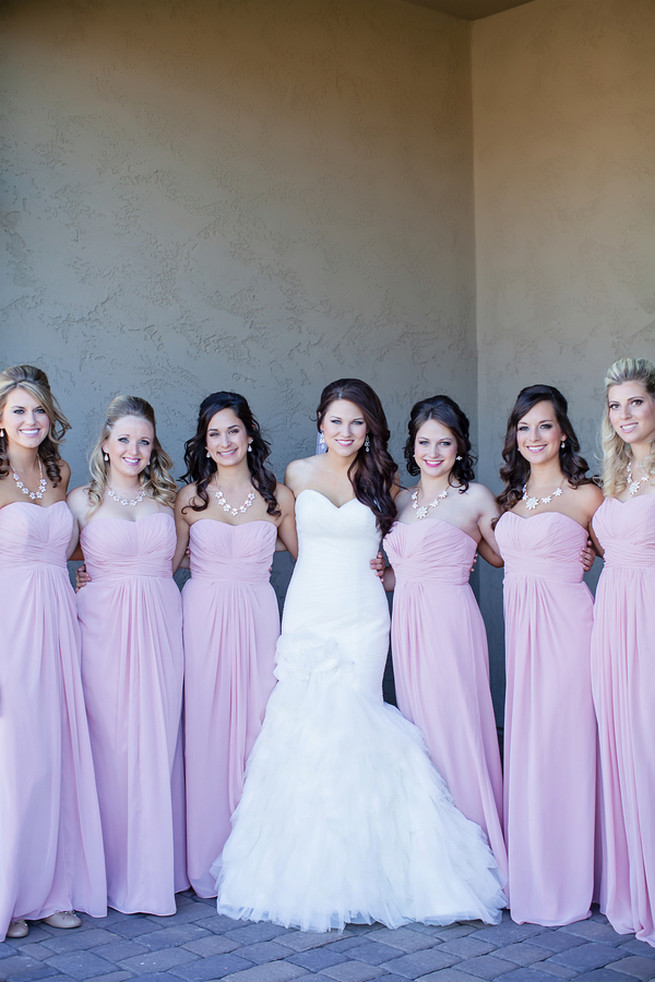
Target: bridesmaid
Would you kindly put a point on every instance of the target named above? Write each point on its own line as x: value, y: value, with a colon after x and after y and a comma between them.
x: 623, y: 650
x: 550, y: 739
x: 132, y: 662
x: 438, y: 639
x: 51, y: 859
x: 233, y: 515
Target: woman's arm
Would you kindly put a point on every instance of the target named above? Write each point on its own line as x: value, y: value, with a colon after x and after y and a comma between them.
x: 287, y: 535
x: 181, y: 524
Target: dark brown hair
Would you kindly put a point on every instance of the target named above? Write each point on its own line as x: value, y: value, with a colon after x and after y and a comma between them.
x: 371, y: 473
x: 444, y: 410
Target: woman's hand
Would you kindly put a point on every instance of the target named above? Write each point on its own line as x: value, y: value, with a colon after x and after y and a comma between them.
x: 377, y: 565
x: 81, y: 577
x: 587, y: 556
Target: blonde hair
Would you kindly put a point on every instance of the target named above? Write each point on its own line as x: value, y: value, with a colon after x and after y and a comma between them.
x: 616, y: 453
x: 35, y: 381
x: 155, y: 479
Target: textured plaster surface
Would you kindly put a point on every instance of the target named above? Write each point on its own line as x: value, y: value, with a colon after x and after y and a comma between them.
x: 243, y: 195
x: 564, y: 160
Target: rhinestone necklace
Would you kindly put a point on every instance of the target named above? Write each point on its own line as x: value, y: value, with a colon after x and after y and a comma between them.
x: 531, y: 502
x: 240, y: 509
x: 633, y: 484
x: 133, y: 502
x: 422, y: 511
x: 40, y: 491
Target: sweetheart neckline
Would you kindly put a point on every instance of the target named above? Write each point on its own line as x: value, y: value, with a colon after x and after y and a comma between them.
x: 329, y: 500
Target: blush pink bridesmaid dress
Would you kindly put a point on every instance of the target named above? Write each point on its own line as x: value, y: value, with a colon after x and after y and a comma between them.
x: 51, y: 855
x: 132, y: 669
x: 623, y: 673
x: 441, y: 667
x: 550, y: 728
x: 231, y: 626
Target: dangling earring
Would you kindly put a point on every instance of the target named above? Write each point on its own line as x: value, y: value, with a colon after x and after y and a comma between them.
x: 367, y: 444
x: 322, y: 445
x: 458, y: 457
x: 208, y: 453
x: 562, y: 445
x: 250, y: 448
x: 106, y: 456
x: 2, y: 433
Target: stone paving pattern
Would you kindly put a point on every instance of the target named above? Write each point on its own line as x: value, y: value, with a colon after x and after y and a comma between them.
x: 196, y: 945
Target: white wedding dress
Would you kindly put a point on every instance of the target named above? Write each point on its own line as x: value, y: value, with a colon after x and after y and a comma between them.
x: 343, y: 817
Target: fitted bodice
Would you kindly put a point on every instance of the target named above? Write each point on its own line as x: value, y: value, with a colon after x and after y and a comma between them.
x: 333, y: 538
x: 227, y: 552
x: 548, y: 545
x: 30, y: 534
x: 430, y: 551
x: 116, y: 547
x: 626, y: 531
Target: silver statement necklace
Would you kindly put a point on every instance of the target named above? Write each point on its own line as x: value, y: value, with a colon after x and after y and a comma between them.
x: 240, y: 509
x: 40, y: 491
x: 531, y: 502
x: 132, y: 502
x: 633, y: 484
x: 423, y: 510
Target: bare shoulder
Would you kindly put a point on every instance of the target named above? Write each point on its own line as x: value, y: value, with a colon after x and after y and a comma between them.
x: 590, y: 495
x: 299, y: 473
x: 184, y: 496
x: 78, y: 499
x: 65, y: 471
x: 285, y: 497
x: 481, y: 495
x: 404, y: 498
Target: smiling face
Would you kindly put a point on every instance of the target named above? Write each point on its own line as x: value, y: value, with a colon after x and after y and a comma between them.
x: 632, y: 412
x: 129, y: 446
x: 538, y: 434
x: 435, y: 449
x: 227, y: 439
x: 24, y: 420
x: 344, y: 428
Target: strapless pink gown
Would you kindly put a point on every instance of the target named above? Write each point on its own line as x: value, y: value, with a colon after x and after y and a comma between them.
x: 51, y: 855
x: 132, y: 669
x: 623, y: 672
x: 231, y: 626
x: 550, y: 728
x: 441, y: 667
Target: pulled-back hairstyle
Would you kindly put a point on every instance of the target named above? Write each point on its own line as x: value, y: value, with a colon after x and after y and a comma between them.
x: 35, y: 381
x: 200, y: 468
x: 444, y: 410
x: 155, y: 478
x: 616, y: 453
x: 371, y: 473
x: 516, y: 470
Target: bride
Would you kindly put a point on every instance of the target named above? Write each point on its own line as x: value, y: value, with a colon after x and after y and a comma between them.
x: 343, y: 818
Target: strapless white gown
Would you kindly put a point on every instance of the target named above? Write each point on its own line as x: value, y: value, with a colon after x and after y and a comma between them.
x: 343, y: 817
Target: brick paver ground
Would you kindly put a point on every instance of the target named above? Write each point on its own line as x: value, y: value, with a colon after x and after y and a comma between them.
x: 196, y: 944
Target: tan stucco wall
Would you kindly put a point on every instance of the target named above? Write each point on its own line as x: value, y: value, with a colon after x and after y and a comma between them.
x: 253, y: 195
x: 564, y: 150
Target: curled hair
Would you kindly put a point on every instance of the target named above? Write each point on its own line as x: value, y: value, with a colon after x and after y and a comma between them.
x: 35, y: 381
x: 371, y: 474
x: 155, y: 478
x: 444, y: 410
x: 200, y: 468
x: 616, y: 453
x: 516, y: 470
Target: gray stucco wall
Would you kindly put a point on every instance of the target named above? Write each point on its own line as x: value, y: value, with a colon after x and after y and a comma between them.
x: 265, y: 196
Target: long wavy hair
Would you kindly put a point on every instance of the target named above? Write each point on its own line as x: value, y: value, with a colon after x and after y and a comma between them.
x: 616, y: 453
x: 34, y: 381
x: 200, y: 468
x: 155, y: 479
x: 371, y: 473
x: 516, y: 470
x: 443, y: 410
